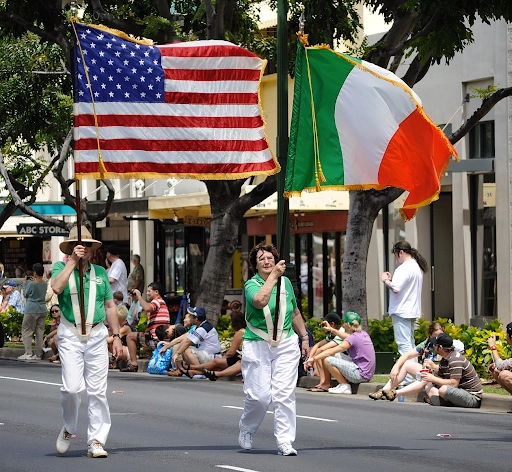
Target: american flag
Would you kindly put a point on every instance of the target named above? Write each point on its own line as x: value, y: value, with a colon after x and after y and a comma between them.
x: 188, y: 109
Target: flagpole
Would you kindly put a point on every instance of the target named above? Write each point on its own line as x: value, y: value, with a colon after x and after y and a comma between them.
x: 286, y: 206
x: 80, y: 262
x: 282, y: 230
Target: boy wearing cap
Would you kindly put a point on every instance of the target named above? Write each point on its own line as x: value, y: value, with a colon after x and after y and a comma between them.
x: 158, y: 315
x: 455, y: 381
x: 206, y: 340
x: 331, y: 324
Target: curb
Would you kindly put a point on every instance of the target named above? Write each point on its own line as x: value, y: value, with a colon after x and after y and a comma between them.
x: 490, y: 401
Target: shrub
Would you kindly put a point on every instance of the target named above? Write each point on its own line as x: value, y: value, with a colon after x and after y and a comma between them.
x: 11, y: 320
x: 381, y: 332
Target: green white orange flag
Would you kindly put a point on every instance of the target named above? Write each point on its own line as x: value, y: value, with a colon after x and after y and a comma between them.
x: 356, y: 126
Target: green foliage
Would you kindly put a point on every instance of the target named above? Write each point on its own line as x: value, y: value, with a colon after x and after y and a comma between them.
x: 11, y: 321
x: 484, y: 93
x: 224, y: 328
x: 143, y: 323
x: 314, y: 326
x: 381, y: 332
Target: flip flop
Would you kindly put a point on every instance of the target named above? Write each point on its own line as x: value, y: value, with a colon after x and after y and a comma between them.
x: 185, y: 371
x: 317, y: 389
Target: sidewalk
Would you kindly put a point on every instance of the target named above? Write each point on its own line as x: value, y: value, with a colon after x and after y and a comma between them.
x: 491, y: 402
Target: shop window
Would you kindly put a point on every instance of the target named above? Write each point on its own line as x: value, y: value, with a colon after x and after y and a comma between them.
x: 481, y: 140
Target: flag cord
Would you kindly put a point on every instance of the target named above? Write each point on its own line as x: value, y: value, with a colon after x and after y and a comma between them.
x: 101, y: 165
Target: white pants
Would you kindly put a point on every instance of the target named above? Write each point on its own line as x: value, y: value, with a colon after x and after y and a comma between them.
x: 270, y: 376
x: 85, y: 367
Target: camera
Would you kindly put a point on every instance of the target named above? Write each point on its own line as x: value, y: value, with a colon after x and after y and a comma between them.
x: 132, y: 292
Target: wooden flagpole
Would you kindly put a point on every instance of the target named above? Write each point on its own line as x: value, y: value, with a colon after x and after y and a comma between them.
x: 286, y: 211
x: 80, y: 262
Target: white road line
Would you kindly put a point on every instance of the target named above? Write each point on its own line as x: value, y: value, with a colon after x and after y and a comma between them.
x: 314, y: 418
x: 29, y: 380
x: 230, y: 467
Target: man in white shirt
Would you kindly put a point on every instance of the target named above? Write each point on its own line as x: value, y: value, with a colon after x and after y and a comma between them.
x: 117, y: 274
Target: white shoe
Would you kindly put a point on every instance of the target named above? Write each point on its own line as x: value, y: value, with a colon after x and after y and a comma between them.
x: 286, y: 450
x: 244, y: 439
x: 27, y: 357
x: 63, y: 442
x: 96, y: 450
x: 341, y: 388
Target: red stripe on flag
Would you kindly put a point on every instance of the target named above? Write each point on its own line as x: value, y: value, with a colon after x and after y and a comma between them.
x: 159, y: 145
x: 156, y: 121
x: 205, y: 50
x: 208, y: 75
x: 211, y: 98
x: 170, y: 168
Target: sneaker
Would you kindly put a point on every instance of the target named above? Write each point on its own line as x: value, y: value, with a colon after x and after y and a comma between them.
x: 245, y: 439
x: 341, y: 388
x: 96, y: 450
x: 27, y: 357
x: 286, y: 450
x: 63, y: 441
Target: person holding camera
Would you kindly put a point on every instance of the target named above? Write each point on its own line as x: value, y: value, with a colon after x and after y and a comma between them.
x: 158, y: 315
x: 34, y: 291
x: 501, y: 369
x: 407, y: 364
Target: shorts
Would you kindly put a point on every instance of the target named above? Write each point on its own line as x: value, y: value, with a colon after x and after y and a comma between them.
x: 233, y: 359
x: 201, y: 355
x: 348, y: 368
x: 459, y: 397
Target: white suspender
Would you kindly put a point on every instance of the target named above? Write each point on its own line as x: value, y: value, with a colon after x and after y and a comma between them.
x: 267, y: 336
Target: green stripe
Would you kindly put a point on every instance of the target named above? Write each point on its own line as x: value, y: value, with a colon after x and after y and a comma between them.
x: 328, y: 72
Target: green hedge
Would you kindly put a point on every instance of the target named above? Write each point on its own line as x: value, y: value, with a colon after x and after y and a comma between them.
x: 12, y: 321
x: 475, y: 339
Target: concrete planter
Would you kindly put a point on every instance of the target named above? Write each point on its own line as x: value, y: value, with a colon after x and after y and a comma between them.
x: 384, y: 362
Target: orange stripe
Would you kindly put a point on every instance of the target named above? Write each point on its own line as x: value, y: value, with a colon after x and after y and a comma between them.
x: 414, y: 159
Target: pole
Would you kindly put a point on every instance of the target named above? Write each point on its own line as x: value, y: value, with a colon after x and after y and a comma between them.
x: 80, y: 262
x: 279, y: 280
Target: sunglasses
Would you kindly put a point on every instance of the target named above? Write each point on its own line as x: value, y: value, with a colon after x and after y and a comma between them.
x: 54, y: 311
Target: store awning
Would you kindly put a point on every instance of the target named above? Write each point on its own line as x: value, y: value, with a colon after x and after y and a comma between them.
x: 198, y: 204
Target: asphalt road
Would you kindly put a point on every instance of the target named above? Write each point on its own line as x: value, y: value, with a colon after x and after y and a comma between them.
x: 177, y: 424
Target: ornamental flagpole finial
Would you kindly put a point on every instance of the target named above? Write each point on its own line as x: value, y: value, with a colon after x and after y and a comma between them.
x: 302, y: 22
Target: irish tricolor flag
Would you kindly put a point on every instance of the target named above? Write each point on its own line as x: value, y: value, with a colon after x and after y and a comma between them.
x: 356, y: 126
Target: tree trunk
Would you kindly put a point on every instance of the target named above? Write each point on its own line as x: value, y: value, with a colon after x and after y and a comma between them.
x: 364, y: 208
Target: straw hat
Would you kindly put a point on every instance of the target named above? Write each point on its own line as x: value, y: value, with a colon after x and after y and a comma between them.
x: 73, y: 238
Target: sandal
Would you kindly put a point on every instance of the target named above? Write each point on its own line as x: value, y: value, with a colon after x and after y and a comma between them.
x: 130, y: 368
x: 391, y: 395
x: 378, y: 395
x: 209, y: 374
x: 55, y: 357
x: 185, y: 371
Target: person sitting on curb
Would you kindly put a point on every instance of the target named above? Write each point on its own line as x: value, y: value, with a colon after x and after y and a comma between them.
x: 158, y: 314
x: 356, y: 367
x: 230, y: 364
x: 205, y: 337
x: 331, y: 324
x: 407, y: 364
x: 501, y: 369
x: 455, y: 381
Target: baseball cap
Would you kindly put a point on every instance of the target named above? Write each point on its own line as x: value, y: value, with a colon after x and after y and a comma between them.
x: 351, y: 316
x: 9, y: 283
x: 332, y: 318
x: 198, y: 312
x: 444, y: 340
